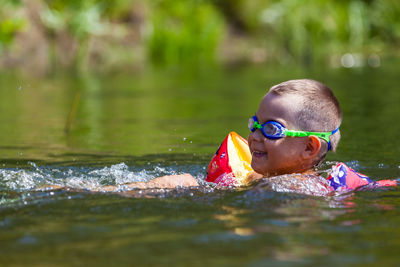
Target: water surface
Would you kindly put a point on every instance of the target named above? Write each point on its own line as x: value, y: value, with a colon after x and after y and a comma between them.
x: 130, y: 127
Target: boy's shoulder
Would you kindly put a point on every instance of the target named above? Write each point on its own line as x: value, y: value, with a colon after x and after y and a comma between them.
x: 299, y: 183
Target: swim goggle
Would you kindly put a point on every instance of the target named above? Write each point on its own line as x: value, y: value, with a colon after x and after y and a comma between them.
x: 275, y: 130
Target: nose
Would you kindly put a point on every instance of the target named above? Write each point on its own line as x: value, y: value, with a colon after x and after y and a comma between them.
x: 256, y: 136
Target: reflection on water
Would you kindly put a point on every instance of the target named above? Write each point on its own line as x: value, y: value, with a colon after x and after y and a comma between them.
x: 262, y: 228
x: 235, y: 226
x: 129, y: 128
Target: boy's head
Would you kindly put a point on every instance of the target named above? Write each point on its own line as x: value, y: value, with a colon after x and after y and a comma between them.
x: 300, y: 105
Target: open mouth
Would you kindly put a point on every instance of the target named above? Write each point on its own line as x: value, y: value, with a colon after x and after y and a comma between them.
x: 259, y: 154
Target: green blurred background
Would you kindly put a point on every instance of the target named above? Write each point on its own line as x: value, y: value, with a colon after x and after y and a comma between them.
x: 107, y: 92
x: 103, y: 81
x: 42, y: 36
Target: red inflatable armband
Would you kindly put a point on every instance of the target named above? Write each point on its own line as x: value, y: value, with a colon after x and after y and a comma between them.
x: 231, y: 163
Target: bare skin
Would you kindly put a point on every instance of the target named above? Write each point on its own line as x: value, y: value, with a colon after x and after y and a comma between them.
x: 165, y: 182
x: 271, y: 157
x: 169, y: 181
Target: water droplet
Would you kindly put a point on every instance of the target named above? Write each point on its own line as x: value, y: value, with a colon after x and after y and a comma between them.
x: 347, y: 60
x: 184, y: 138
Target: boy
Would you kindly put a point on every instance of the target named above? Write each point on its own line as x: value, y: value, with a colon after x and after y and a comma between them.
x: 295, y: 126
x: 296, y: 105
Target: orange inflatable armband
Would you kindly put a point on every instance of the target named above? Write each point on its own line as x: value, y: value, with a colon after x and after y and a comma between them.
x: 231, y: 164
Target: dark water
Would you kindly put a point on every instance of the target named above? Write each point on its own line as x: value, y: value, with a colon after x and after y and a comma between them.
x: 133, y: 127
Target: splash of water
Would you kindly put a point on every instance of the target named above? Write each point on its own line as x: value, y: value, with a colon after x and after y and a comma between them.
x: 89, y: 178
x: 295, y: 183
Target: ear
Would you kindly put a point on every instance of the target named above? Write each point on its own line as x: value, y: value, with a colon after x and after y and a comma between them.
x: 312, y: 147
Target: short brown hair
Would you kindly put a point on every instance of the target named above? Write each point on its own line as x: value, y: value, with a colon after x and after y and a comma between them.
x: 321, y: 111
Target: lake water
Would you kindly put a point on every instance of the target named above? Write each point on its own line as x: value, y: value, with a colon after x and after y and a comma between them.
x: 134, y: 126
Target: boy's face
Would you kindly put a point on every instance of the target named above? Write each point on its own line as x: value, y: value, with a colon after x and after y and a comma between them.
x: 277, y: 156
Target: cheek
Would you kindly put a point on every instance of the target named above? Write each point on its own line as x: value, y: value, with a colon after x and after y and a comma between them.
x: 294, y: 145
x: 249, y: 139
x: 280, y: 151
x: 273, y: 145
x: 254, y: 138
x: 290, y: 150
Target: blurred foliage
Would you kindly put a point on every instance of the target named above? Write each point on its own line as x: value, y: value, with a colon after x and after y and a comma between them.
x: 80, y: 18
x: 176, y: 31
x: 184, y: 30
x: 385, y: 14
x: 11, y: 22
x: 311, y: 28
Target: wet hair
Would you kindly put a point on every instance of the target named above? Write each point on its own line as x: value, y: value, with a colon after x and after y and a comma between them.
x: 320, y: 110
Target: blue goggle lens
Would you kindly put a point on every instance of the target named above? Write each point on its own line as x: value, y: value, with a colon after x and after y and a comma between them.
x: 273, y: 129
x: 251, y: 125
x: 270, y: 129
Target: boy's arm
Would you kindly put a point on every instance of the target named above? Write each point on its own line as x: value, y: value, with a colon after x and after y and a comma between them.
x: 169, y: 181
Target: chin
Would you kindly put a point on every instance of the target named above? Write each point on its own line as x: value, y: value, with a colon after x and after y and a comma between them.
x: 257, y: 169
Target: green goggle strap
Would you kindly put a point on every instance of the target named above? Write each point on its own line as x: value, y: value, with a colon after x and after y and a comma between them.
x: 293, y: 133
x: 257, y: 125
x: 322, y: 135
